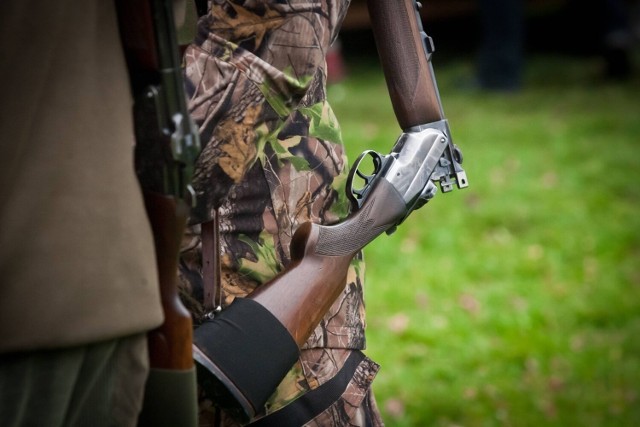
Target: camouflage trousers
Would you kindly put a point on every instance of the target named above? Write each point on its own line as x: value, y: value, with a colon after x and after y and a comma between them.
x: 273, y: 159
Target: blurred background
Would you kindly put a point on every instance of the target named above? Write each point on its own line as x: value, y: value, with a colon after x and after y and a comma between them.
x: 514, y: 302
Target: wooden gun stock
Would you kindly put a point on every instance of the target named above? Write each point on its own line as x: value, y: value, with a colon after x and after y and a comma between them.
x: 402, y: 50
x: 139, y: 41
x: 170, y: 392
x: 169, y: 344
x: 302, y: 295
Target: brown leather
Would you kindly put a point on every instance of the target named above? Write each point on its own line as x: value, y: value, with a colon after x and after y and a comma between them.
x: 211, y: 261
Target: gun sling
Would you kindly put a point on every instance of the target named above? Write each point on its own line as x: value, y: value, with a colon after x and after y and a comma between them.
x: 312, y: 404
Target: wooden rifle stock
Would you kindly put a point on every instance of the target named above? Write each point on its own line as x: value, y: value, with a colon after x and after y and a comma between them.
x: 139, y: 42
x: 301, y: 295
x: 170, y: 343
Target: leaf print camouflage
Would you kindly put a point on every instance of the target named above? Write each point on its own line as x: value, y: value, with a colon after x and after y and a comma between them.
x: 273, y: 159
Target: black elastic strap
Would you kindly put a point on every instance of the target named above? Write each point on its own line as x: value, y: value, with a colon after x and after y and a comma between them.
x: 242, y: 355
x: 313, y: 403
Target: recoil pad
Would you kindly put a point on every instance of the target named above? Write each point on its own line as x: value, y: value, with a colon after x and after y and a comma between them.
x: 241, y: 357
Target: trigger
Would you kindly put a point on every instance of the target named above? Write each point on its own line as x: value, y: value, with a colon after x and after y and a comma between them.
x: 353, y: 194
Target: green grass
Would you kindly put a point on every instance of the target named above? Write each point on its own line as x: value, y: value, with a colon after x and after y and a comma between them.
x: 514, y: 302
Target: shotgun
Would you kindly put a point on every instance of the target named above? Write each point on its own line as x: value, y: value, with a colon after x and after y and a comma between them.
x: 262, y: 333
x: 167, y: 144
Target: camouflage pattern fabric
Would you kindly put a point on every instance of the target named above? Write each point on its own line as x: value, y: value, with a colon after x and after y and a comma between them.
x: 273, y: 159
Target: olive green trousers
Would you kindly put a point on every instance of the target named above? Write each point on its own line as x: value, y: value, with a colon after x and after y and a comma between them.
x: 95, y: 385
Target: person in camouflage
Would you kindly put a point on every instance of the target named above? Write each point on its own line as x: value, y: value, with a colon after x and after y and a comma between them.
x: 273, y: 159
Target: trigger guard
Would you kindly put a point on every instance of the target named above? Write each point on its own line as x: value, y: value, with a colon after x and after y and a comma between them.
x: 356, y: 201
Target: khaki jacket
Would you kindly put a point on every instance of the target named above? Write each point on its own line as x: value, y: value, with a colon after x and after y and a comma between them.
x: 76, y: 251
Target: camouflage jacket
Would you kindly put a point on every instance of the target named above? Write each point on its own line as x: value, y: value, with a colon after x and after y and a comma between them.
x: 272, y: 159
